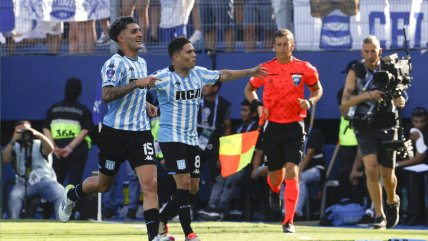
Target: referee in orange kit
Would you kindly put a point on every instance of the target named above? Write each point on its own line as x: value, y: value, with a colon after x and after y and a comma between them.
x: 284, y: 109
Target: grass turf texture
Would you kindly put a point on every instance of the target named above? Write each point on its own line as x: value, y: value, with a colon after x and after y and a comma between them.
x: 207, y: 231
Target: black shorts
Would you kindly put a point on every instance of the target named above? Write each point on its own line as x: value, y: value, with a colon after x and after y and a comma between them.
x: 283, y: 143
x: 116, y: 146
x: 181, y: 158
x: 370, y: 142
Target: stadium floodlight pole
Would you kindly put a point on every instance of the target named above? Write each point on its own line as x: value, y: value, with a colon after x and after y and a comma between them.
x: 114, y: 14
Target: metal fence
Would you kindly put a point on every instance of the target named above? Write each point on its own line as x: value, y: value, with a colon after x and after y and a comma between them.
x: 240, y: 25
x: 80, y: 26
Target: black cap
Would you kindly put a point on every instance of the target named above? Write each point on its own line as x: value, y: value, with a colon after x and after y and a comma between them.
x: 349, y: 66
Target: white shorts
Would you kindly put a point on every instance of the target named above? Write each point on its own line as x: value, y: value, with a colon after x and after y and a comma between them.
x: 52, y: 28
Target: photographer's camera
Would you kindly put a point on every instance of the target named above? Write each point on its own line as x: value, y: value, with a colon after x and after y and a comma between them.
x: 27, y: 136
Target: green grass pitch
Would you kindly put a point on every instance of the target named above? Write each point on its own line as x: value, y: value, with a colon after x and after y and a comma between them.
x: 207, y: 231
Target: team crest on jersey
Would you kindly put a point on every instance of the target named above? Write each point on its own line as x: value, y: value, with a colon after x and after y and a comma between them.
x: 181, y: 164
x: 110, y: 73
x: 297, y: 78
x: 109, y: 165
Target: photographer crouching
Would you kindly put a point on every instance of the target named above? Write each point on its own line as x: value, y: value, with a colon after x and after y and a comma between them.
x: 35, y: 177
x: 373, y: 97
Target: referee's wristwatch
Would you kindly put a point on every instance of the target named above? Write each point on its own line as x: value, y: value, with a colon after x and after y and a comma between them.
x: 255, y: 104
x: 311, y: 102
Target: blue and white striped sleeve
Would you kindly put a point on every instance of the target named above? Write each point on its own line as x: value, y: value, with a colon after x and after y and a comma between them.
x: 111, y: 72
x: 208, y: 77
x: 164, y: 79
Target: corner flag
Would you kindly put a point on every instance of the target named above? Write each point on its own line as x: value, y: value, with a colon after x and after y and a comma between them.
x: 236, y: 151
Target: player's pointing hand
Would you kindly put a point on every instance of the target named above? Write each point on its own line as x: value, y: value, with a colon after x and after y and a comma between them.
x: 257, y: 71
x: 149, y: 81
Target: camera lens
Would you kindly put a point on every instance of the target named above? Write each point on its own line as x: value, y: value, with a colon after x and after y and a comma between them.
x: 27, y: 136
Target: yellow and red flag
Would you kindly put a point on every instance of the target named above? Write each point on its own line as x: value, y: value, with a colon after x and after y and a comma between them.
x: 236, y: 151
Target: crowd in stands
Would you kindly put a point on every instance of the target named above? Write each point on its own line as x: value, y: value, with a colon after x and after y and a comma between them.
x: 211, y: 25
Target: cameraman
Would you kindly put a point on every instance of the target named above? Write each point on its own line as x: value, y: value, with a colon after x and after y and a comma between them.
x: 35, y: 177
x: 372, y: 129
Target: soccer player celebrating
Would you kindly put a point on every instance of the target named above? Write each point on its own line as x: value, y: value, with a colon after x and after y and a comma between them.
x: 284, y: 109
x: 125, y: 134
x: 179, y: 93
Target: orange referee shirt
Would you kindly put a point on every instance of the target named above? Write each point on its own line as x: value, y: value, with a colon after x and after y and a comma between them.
x: 282, y: 86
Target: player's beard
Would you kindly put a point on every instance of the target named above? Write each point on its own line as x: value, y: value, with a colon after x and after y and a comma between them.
x: 139, y: 46
x: 191, y: 64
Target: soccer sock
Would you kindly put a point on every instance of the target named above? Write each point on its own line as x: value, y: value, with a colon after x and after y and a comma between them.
x: 169, y: 211
x: 274, y: 189
x: 194, y: 204
x: 152, y: 222
x: 182, y: 199
x: 76, y: 193
x: 291, y: 193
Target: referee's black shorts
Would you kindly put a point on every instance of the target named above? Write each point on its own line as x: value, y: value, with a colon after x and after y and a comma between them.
x: 116, y: 146
x: 283, y: 143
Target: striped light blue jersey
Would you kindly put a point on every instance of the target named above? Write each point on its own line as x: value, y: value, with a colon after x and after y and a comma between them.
x: 179, y: 100
x: 129, y: 111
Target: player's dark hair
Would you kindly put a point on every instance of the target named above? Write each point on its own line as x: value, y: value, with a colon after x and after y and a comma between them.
x: 119, y: 25
x: 73, y: 88
x: 177, y: 45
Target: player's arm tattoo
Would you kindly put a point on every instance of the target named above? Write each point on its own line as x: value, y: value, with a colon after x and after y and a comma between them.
x: 225, y: 74
x: 111, y: 93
